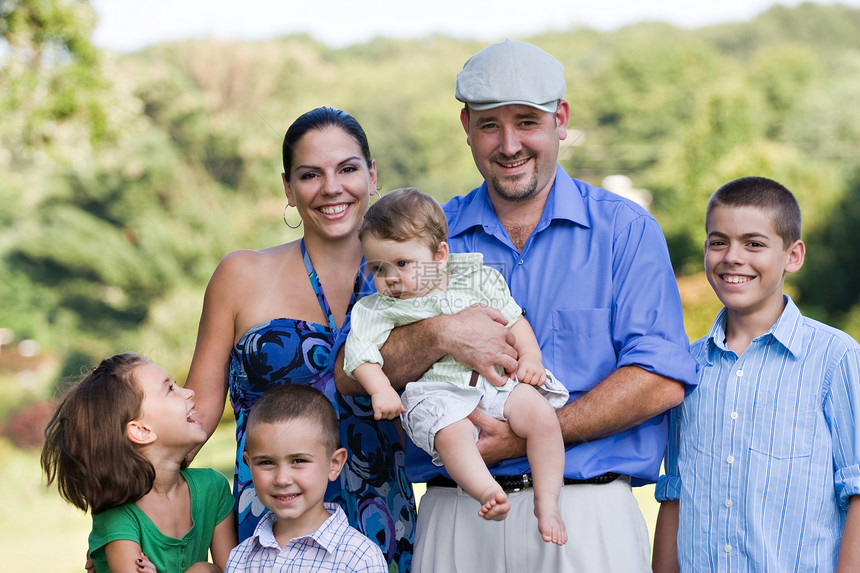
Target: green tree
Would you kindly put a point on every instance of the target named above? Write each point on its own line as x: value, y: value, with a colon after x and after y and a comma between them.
x: 54, y: 111
x: 52, y: 79
x: 829, y: 282
x: 648, y: 89
x: 124, y: 178
x: 783, y: 74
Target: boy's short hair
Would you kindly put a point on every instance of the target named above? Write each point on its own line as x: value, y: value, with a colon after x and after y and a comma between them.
x: 764, y: 194
x: 289, y: 402
x: 405, y: 214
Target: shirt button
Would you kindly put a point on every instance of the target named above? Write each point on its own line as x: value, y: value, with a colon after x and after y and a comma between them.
x: 727, y: 548
x: 730, y: 459
x: 521, y: 261
x: 728, y: 503
x: 734, y: 415
x: 740, y: 372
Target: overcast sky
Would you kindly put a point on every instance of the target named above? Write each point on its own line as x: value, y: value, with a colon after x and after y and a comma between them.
x: 127, y: 25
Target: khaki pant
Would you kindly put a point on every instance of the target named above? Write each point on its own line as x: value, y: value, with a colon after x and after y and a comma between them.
x: 605, y: 528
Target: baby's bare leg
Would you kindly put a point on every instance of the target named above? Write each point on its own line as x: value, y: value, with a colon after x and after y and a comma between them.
x: 459, y: 452
x: 531, y: 417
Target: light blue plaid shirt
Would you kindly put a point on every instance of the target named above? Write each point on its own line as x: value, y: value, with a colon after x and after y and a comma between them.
x: 765, y: 453
x: 333, y: 548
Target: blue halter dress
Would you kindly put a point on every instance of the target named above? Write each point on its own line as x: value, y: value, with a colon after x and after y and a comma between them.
x: 372, y: 489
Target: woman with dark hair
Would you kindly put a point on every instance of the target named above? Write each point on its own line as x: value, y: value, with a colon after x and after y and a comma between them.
x: 278, y: 316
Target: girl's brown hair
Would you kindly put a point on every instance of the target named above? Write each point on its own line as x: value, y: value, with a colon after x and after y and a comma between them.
x: 86, y: 449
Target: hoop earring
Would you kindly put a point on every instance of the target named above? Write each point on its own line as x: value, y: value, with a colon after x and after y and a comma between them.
x: 285, y: 218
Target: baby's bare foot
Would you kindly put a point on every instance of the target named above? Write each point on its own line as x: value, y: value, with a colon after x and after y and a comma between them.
x: 495, y: 506
x: 551, y: 525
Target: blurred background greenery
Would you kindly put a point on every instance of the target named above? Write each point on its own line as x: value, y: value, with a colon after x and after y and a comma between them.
x: 124, y: 178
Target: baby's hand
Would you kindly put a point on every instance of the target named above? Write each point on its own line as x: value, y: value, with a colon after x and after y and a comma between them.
x: 531, y: 373
x: 386, y: 404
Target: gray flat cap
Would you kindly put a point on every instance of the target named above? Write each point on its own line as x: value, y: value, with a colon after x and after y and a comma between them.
x: 511, y: 72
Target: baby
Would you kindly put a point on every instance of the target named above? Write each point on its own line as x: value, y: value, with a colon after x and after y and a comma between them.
x: 403, y: 237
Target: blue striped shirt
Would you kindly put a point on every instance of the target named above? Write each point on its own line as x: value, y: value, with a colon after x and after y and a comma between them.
x: 765, y: 453
x: 333, y: 548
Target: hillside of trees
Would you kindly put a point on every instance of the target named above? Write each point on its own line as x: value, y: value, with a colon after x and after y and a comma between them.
x: 124, y: 178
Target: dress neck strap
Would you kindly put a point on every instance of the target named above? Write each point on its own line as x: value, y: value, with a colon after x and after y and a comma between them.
x: 318, y: 290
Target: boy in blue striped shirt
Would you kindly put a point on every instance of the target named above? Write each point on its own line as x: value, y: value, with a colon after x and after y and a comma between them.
x: 763, y: 464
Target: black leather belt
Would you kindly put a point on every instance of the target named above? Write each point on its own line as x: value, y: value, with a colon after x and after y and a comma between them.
x: 524, y: 481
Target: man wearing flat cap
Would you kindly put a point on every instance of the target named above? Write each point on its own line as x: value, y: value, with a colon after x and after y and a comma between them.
x: 591, y: 270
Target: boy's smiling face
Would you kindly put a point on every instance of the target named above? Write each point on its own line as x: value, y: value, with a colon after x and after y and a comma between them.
x: 746, y: 261
x: 291, y: 468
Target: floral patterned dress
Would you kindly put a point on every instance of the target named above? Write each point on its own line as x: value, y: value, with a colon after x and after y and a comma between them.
x: 372, y: 489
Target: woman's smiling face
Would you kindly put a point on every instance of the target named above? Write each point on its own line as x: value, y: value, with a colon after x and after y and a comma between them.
x: 330, y: 182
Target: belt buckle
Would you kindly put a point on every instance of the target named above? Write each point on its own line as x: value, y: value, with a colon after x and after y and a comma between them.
x: 526, y: 484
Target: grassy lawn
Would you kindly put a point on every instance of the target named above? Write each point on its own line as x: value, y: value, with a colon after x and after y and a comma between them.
x: 40, y: 532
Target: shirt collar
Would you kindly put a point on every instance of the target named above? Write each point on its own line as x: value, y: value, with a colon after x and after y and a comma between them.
x: 325, y: 536
x: 264, y: 534
x: 563, y: 202
x: 786, y: 330
x: 329, y: 532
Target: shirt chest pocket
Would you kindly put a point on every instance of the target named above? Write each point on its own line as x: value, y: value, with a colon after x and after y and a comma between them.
x: 784, y: 418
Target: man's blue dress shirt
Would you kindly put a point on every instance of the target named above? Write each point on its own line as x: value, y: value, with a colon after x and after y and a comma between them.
x: 596, y: 284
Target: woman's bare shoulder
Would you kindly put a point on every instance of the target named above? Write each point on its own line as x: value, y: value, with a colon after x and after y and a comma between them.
x: 248, y: 262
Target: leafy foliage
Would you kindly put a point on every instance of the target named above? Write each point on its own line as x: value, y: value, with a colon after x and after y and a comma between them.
x: 125, y: 178
x: 835, y: 254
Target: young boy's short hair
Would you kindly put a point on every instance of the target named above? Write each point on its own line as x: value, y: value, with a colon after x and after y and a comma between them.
x: 764, y: 194
x: 405, y: 214
x: 289, y: 402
